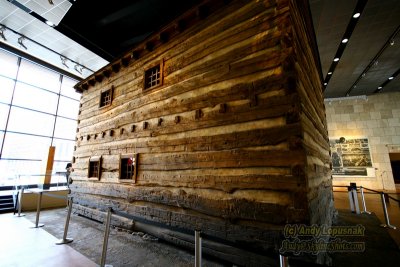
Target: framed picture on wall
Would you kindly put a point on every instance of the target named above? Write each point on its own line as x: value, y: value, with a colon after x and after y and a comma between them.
x: 350, y: 157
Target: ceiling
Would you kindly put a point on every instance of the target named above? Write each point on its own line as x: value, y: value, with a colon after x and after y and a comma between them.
x: 93, y: 33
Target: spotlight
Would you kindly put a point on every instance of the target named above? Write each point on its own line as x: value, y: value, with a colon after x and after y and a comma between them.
x: 330, y: 73
x: 391, y: 78
x: 64, y: 61
x: 392, y: 42
x: 51, y: 2
x: 356, y: 15
x: 2, y: 30
x: 78, y: 68
x: 20, y: 42
x: 345, y: 40
x: 336, y: 59
x: 342, y: 140
x: 379, y: 87
x: 51, y: 24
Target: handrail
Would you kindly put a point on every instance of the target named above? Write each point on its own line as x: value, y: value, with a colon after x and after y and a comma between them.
x: 376, y: 191
x: 353, y: 190
x: 41, y: 192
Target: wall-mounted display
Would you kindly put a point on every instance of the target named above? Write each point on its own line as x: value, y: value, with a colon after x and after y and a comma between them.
x: 350, y: 156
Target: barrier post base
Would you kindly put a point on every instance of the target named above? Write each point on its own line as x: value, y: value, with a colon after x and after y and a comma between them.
x: 64, y: 241
x: 39, y: 225
x: 388, y: 226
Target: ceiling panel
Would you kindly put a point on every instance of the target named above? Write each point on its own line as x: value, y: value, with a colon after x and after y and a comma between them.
x: 85, y: 32
x: 330, y: 20
x: 377, y: 23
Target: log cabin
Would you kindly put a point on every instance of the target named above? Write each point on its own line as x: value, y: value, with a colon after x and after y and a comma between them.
x: 214, y: 123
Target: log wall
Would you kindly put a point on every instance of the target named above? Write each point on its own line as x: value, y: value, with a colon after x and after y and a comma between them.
x: 234, y: 142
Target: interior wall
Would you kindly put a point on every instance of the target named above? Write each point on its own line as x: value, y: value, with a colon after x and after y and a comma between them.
x: 377, y: 117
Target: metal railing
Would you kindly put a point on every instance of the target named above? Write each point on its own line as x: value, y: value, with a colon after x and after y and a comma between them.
x: 353, y: 200
x: 40, y: 194
x: 58, y: 179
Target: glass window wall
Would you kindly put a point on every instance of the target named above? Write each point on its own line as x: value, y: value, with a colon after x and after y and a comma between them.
x: 42, y: 109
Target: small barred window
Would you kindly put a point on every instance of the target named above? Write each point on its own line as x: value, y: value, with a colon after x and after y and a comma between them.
x: 152, y: 77
x: 94, y: 167
x: 128, y: 167
x: 106, y: 98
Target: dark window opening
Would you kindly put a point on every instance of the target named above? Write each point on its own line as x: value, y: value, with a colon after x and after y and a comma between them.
x: 94, y: 168
x: 106, y: 98
x: 128, y: 166
x: 152, y: 77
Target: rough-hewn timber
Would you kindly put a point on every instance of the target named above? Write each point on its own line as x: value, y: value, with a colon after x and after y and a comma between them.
x: 234, y: 141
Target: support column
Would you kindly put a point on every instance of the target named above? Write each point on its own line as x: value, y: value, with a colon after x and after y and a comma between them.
x: 48, y: 167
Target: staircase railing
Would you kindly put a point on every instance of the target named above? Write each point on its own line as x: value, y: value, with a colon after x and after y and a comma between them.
x: 353, y: 190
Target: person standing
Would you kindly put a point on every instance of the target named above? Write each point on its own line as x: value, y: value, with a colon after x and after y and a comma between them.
x: 69, y: 170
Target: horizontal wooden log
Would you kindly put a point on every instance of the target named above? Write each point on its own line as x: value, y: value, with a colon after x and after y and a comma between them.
x: 222, y: 159
x: 210, y: 141
x: 228, y: 207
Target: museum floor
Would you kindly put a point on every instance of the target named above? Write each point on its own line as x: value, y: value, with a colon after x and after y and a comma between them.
x: 23, y: 246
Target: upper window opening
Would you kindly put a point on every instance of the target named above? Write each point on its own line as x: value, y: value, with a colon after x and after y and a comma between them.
x: 106, y: 98
x: 152, y: 77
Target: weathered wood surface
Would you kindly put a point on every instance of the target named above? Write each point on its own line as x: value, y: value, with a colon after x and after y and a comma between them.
x: 233, y: 143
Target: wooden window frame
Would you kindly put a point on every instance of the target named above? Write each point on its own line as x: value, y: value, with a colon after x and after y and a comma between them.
x: 148, y: 68
x: 97, y: 159
x: 134, y: 156
x: 111, y: 90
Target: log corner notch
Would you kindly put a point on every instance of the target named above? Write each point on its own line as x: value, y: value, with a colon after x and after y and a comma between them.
x: 233, y: 144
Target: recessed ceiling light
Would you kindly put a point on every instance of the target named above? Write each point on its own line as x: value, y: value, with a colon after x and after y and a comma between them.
x: 345, y: 40
x: 51, y: 24
x: 336, y: 59
x: 391, y: 78
x: 356, y: 15
x: 330, y: 73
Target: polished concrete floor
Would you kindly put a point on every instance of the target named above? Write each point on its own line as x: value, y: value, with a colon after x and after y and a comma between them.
x: 22, y: 245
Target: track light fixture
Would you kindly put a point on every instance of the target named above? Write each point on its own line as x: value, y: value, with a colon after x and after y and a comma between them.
x: 78, y: 68
x: 21, y: 39
x: 2, y: 30
x: 51, y: 2
x: 21, y: 42
x: 64, y: 61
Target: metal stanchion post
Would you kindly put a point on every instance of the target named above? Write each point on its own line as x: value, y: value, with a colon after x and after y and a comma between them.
x: 388, y: 225
x: 105, y: 242
x: 65, y: 239
x: 353, y: 198
x: 283, y: 261
x: 197, y: 249
x: 363, y: 201
x: 21, y: 193
x: 39, y: 203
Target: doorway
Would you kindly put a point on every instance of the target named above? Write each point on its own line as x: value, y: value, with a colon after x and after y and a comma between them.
x: 395, y: 162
